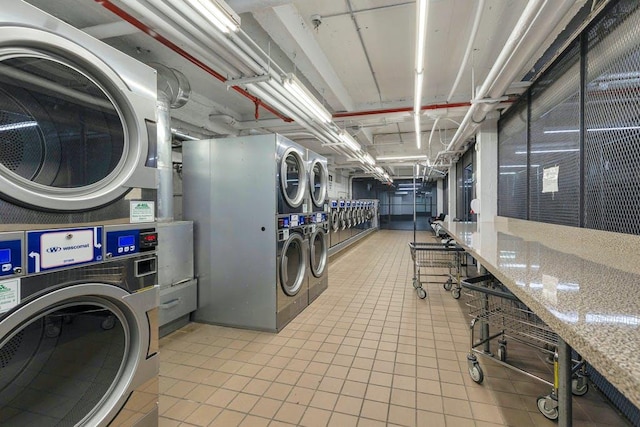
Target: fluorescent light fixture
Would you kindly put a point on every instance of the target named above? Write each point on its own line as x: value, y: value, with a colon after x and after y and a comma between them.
x: 508, y: 173
x: 349, y: 141
x: 218, y: 13
x: 19, y: 125
x: 417, y: 99
x: 421, y: 34
x: 303, y: 96
x: 369, y: 159
x: 416, y: 123
x: 564, y: 150
x: 417, y: 157
x: 592, y: 130
x: 402, y: 193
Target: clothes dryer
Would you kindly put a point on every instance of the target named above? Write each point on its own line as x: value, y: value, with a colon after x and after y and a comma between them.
x: 318, y: 178
x: 292, y: 268
x: 334, y: 221
x: 78, y: 156
x: 292, y: 177
x: 318, y: 254
x: 78, y: 346
x: 77, y: 119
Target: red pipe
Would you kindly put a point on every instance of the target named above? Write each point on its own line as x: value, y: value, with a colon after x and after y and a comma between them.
x: 168, y: 43
x: 399, y: 110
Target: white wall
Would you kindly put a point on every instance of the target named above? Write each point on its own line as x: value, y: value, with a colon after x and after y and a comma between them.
x: 338, y: 185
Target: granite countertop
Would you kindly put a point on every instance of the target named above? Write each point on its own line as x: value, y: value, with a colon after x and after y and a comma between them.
x: 585, y: 284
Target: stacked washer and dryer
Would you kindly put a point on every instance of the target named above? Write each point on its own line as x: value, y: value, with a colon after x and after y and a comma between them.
x: 78, y: 294
x: 249, y: 198
x: 318, y: 176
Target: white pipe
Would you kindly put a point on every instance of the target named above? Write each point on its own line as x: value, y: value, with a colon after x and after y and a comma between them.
x: 519, y: 46
x: 467, y: 52
x: 169, y: 31
x: 201, y: 30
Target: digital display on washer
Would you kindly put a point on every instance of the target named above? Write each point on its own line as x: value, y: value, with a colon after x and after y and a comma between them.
x: 5, y: 256
x: 126, y: 241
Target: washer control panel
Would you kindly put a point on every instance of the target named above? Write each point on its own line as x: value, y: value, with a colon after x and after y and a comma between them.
x: 126, y: 240
x: 11, y: 250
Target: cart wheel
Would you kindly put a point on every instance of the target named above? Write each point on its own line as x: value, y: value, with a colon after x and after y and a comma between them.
x: 502, y: 352
x: 476, y: 373
x: 579, y: 386
x: 447, y: 285
x: 415, y: 284
x: 548, y: 407
x: 455, y: 293
x: 108, y: 323
x: 422, y: 294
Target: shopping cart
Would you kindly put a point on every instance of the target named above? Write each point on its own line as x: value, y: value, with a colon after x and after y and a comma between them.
x: 428, y: 261
x: 500, y: 315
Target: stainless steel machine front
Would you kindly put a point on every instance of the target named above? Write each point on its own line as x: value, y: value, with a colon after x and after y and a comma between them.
x: 233, y: 192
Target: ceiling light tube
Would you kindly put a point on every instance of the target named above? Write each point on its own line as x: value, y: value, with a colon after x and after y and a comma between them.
x: 416, y: 157
x: 416, y: 122
x: 18, y: 125
x: 421, y: 34
x: 417, y: 100
x: 301, y: 94
x: 369, y: 159
x: 218, y: 13
x: 349, y: 141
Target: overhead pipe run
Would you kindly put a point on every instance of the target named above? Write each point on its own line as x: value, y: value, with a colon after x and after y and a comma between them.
x: 536, y: 22
x: 241, y: 58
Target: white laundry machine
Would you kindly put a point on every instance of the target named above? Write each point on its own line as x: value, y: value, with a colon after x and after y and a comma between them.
x: 77, y: 165
x: 318, y: 254
x: 247, y: 238
x: 318, y: 179
x: 292, y: 177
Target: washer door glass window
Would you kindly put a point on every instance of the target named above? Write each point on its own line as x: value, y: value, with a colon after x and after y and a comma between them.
x: 318, y: 250
x: 318, y: 183
x: 293, y: 178
x: 62, y: 363
x: 58, y: 127
x: 292, y: 265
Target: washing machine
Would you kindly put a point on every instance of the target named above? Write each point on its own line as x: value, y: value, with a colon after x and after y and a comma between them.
x: 318, y: 254
x: 292, y: 262
x: 292, y: 177
x: 334, y: 235
x: 79, y: 345
x: 248, y: 263
x: 78, y: 155
x: 344, y: 212
x: 318, y: 178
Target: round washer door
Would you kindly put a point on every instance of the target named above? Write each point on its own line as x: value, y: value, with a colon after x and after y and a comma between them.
x: 335, y: 220
x: 72, y: 354
x: 293, y: 177
x: 292, y: 267
x: 318, y: 252
x: 318, y: 177
x: 343, y: 219
x: 72, y: 136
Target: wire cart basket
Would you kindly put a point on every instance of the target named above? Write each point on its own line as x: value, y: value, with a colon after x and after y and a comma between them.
x: 429, y: 259
x: 500, y: 315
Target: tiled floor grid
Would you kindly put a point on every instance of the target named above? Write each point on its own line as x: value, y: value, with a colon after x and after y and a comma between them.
x: 367, y: 352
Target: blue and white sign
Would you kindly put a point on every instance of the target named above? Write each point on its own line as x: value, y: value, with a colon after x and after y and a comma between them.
x: 10, y: 257
x: 54, y: 249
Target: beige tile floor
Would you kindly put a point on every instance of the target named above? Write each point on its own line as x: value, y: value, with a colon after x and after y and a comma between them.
x: 367, y: 352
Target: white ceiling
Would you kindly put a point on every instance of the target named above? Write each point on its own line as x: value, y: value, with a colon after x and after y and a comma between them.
x: 360, y: 57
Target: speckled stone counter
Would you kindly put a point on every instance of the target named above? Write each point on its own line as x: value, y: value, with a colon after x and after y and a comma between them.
x: 585, y: 284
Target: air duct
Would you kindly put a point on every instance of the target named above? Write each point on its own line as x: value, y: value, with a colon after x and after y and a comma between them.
x: 173, y: 92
